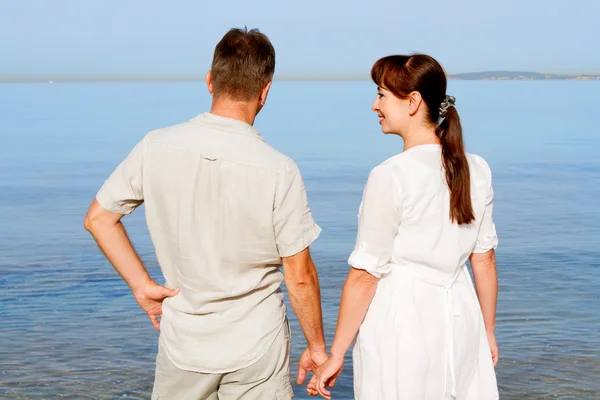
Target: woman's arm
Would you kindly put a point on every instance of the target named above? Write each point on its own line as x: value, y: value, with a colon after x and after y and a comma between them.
x: 378, y: 222
x: 486, y: 285
x: 379, y: 219
x: 357, y: 295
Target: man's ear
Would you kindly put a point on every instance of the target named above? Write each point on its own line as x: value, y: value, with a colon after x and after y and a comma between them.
x: 209, y: 84
x: 264, y: 93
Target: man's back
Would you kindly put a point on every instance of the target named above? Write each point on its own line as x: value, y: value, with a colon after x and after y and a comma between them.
x: 224, y: 211
x: 222, y: 208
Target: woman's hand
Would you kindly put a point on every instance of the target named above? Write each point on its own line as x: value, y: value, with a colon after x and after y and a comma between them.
x: 326, y: 376
x: 493, y: 347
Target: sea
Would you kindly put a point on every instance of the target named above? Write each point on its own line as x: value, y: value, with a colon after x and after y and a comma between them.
x: 70, y: 327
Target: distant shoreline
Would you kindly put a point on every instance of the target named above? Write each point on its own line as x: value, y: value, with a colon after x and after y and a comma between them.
x: 468, y: 76
x: 520, y: 76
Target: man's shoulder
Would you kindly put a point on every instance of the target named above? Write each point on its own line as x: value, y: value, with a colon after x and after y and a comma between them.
x: 169, y: 131
x: 247, y: 150
x: 277, y: 159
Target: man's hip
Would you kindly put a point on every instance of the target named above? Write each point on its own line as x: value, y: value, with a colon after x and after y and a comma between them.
x: 267, y: 378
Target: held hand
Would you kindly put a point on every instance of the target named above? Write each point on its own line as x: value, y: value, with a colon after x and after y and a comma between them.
x: 150, y: 298
x: 493, y: 347
x: 326, y: 376
x: 310, y: 361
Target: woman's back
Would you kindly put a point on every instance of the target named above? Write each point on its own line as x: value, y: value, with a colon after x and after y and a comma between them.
x: 416, y: 225
x: 426, y: 235
x: 406, y: 237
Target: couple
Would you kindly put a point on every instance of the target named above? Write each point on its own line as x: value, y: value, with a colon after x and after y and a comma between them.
x: 225, y: 211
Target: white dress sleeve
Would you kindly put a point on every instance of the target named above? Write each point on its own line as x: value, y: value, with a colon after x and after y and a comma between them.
x: 378, y: 222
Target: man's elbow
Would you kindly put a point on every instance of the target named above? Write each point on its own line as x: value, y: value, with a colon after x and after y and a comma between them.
x: 97, y: 217
x: 90, y: 223
x: 302, y: 278
x: 300, y: 270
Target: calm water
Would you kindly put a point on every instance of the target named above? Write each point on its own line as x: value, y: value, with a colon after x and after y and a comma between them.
x: 71, y: 329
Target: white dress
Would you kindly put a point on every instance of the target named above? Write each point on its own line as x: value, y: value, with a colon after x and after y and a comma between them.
x: 423, y: 336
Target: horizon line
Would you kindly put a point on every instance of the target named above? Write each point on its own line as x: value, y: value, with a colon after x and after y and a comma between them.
x: 99, y: 78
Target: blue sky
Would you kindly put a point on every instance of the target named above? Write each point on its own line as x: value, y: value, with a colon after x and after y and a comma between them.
x: 311, y: 38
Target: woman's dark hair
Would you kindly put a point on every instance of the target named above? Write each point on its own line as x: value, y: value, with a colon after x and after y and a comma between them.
x: 402, y: 75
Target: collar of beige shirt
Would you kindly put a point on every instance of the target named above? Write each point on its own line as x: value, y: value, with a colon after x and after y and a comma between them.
x: 228, y: 124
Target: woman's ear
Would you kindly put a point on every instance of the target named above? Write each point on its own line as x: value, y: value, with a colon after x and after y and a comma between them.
x: 414, y: 102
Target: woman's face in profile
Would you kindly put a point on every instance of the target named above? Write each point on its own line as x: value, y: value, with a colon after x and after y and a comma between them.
x: 391, y: 110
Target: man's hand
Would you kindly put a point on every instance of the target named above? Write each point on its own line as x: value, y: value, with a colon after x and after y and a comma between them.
x: 108, y: 231
x: 150, y: 298
x: 310, y: 361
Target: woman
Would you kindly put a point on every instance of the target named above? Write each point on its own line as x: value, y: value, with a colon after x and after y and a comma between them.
x: 423, y: 331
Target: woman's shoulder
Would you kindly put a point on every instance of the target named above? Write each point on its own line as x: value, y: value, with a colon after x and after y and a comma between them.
x: 390, y: 162
x: 395, y: 161
x: 407, y: 167
x: 386, y: 172
x: 390, y: 168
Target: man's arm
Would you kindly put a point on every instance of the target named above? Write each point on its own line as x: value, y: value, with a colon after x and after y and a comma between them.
x: 295, y: 230
x: 111, y: 237
x: 302, y: 282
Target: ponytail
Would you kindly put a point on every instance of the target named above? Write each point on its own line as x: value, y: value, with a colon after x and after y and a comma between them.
x: 456, y: 166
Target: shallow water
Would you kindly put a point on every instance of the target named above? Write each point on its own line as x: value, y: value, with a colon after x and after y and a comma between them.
x: 71, y: 329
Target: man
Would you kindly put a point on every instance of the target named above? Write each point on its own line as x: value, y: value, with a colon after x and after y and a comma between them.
x: 224, y: 211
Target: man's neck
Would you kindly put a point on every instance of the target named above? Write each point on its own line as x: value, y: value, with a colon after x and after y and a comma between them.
x: 242, y: 111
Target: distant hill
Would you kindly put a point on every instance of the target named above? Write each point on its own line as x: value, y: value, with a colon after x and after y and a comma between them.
x: 519, y: 75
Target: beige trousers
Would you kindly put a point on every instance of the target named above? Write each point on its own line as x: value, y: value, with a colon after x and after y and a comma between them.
x: 266, y: 379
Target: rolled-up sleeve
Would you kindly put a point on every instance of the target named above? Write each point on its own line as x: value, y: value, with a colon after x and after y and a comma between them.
x: 378, y: 222
x: 487, y: 239
x: 293, y: 223
x: 123, y: 191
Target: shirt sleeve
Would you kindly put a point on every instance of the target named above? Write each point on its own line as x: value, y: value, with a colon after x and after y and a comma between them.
x: 487, y: 239
x: 123, y: 191
x: 378, y: 221
x: 293, y: 223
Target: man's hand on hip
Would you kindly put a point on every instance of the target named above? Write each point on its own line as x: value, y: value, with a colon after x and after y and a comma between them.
x: 150, y: 298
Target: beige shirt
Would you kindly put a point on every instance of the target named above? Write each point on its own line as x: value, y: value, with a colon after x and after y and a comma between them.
x: 222, y: 208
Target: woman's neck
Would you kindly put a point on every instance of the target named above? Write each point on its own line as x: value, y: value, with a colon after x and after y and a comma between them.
x: 421, y: 136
